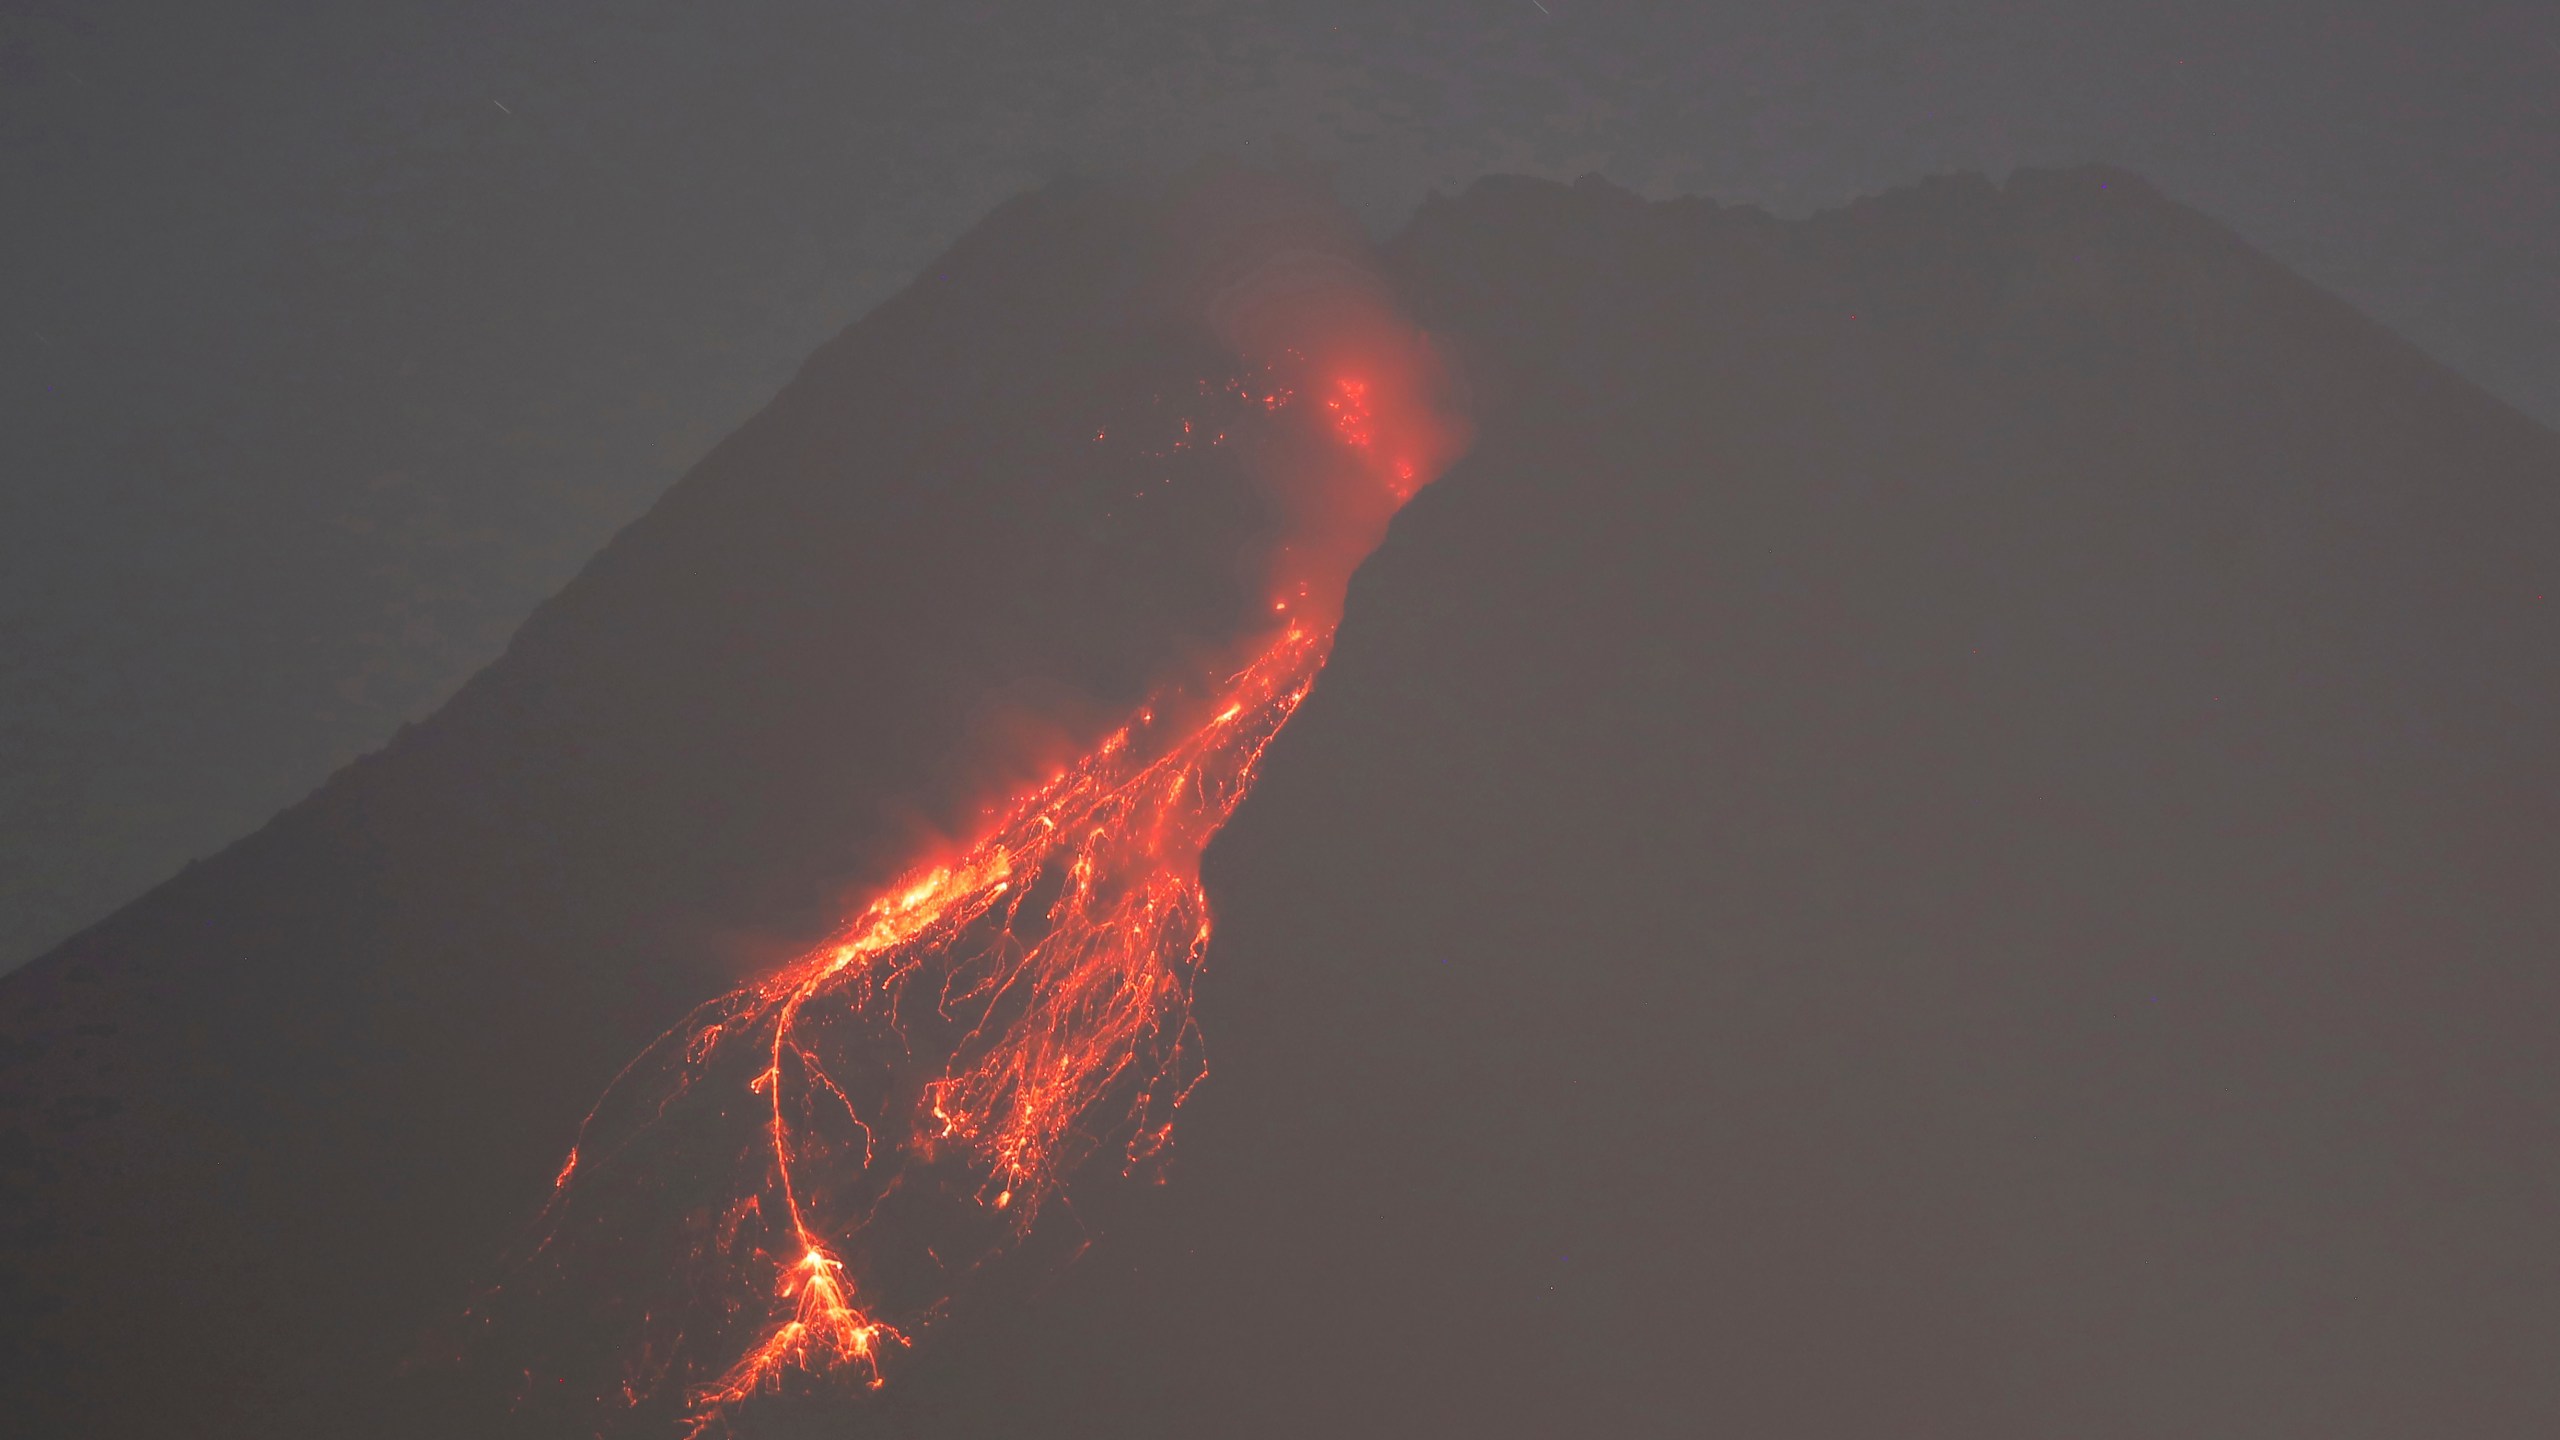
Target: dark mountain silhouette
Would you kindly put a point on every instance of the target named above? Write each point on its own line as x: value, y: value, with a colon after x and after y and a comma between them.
x: 1945, y: 829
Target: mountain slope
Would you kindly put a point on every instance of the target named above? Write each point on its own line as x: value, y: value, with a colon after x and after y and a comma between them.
x: 1908, y: 847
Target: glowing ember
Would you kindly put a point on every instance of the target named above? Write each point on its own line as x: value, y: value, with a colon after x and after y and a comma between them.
x: 825, y: 1331
x: 834, y: 1144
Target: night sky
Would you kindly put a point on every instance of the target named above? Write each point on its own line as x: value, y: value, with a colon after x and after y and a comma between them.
x: 334, y: 337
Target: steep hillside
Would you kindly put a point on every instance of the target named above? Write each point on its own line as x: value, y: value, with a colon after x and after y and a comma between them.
x: 1946, y: 830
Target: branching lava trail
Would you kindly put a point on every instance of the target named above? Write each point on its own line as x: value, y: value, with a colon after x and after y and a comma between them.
x: 823, y: 1154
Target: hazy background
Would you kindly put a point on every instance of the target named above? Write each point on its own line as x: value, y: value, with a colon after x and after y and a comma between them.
x: 332, y: 337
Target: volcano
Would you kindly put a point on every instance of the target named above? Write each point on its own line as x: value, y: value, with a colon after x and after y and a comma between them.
x: 1940, y: 822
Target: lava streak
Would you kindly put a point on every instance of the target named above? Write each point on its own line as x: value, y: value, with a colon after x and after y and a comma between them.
x: 792, y: 1182
x: 804, y: 1168
x: 1048, y: 970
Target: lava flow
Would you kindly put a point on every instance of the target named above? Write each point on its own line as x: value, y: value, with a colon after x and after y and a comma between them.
x: 1068, y: 940
x: 823, y: 1154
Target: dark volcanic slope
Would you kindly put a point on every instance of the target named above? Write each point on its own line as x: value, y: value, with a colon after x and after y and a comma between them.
x: 1945, y: 830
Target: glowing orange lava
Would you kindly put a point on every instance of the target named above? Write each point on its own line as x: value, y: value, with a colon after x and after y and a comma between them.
x: 1059, y: 1006
x: 904, y: 1099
